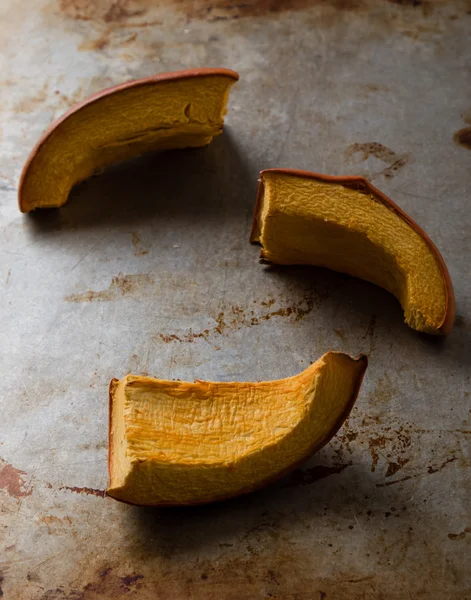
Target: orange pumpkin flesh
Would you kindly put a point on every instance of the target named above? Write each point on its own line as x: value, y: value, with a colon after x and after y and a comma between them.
x: 177, y: 443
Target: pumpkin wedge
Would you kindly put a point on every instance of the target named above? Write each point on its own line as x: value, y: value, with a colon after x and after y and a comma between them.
x: 175, y: 443
x: 172, y: 110
x: 346, y: 224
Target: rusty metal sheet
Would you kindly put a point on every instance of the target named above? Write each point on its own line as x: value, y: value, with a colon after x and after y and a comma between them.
x: 148, y: 269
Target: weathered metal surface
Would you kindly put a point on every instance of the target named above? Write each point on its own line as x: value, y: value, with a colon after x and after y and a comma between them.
x: 148, y: 269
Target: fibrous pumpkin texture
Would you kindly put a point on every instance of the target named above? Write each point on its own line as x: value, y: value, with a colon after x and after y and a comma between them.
x: 347, y: 225
x: 173, y: 110
x: 177, y: 443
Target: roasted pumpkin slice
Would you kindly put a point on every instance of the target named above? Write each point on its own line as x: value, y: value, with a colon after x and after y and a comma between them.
x: 346, y: 224
x: 174, y: 443
x: 173, y: 110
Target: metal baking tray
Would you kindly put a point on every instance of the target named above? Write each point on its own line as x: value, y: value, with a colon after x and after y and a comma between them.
x: 148, y: 269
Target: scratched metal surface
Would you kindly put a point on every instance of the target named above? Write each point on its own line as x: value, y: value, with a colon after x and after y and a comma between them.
x: 148, y: 270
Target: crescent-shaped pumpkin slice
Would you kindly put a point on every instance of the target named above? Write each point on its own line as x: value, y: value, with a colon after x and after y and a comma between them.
x: 172, y: 110
x: 346, y: 224
x: 175, y: 443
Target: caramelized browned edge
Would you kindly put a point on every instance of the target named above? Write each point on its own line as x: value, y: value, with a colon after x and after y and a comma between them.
x: 111, y: 390
x: 314, y: 448
x: 172, y: 76
x: 362, y: 183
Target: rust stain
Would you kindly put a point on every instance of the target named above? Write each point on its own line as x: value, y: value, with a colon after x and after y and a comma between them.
x: 394, y: 467
x: 384, y: 390
x: 407, y: 2
x: 431, y: 469
x: 308, y: 476
x: 463, y: 137
x: 97, y: 44
x: 121, y: 285
x: 340, y: 333
x: 105, y: 572
x: 117, y: 12
x: 381, y: 152
x: 53, y: 523
x: 388, y: 483
x: 370, y: 333
x: 31, y: 103
x: 107, y: 11
x: 105, y: 39
x: 98, y: 446
x: 375, y: 443
x: 1, y: 582
x: 84, y: 490
x: 240, y: 317
x: 129, y: 581
x: 107, y: 585
x: 12, y: 481
x: 435, y: 468
x: 136, y: 242
x: 459, y: 536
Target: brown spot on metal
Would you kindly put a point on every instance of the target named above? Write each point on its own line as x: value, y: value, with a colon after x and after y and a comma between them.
x: 1, y: 581
x: 388, y: 483
x: 384, y: 391
x: 407, y: 2
x: 97, y: 44
x: 52, y: 522
x: 308, y: 476
x: 107, y: 10
x: 394, y: 467
x: 240, y: 318
x: 130, y: 580
x: 381, y: 152
x: 395, y: 166
x: 12, y: 481
x: 119, y: 12
x: 105, y: 572
x: 463, y: 137
x: 459, y: 536
x: 340, y: 333
x: 378, y: 442
x: 85, y: 490
x: 136, y: 242
x: 121, y: 285
x: 435, y: 468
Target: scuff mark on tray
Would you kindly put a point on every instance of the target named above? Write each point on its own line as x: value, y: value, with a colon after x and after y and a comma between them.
x: 120, y: 286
